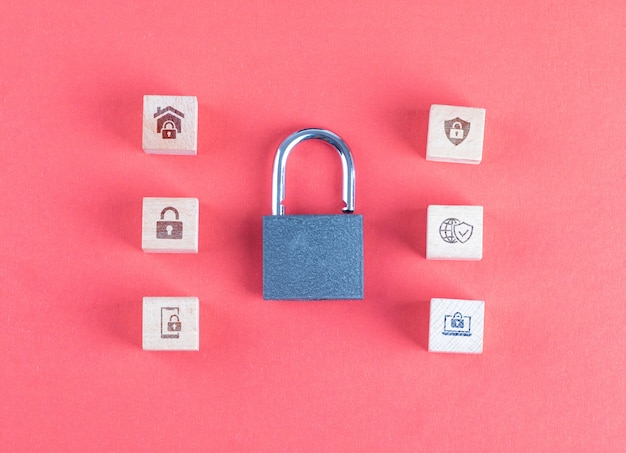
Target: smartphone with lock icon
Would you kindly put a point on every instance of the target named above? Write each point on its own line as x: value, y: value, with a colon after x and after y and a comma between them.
x: 171, y: 325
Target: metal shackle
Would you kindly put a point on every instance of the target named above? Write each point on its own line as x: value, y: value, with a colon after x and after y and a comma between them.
x: 280, y: 164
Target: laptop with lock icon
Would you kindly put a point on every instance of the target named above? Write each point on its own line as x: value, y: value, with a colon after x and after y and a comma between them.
x: 457, y: 324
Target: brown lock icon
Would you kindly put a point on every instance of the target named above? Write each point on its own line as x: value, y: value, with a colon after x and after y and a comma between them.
x: 169, y: 229
x: 168, y: 130
x: 174, y: 325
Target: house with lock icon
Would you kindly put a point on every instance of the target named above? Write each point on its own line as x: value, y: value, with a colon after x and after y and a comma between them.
x: 170, y: 125
x: 169, y: 122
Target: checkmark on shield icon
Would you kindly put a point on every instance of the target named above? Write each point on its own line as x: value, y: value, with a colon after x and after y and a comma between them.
x: 463, y: 231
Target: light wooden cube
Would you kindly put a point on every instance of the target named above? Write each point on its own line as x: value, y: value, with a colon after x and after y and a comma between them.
x: 455, y: 134
x: 456, y: 325
x: 171, y: 323
x: 170, y: 225
x: 170, y: 125
x: 454, y: 233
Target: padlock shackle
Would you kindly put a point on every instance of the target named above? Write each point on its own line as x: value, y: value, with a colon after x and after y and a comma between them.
x: 280, y: 164
x: 169, y: 208
x: 177, y: 318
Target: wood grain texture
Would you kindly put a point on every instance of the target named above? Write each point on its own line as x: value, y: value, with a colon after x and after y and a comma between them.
x: 456, y: 325
x: 170, y: 225
x: 171, y: 323
x: 454, y: 232
x: 455, y: 134
x: 170, y: 125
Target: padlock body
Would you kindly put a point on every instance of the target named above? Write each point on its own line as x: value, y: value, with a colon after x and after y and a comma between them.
x: 313, y: 257
x: 456, y: 133
x: 174, y: 326
x: 168, y: 133
x: 176, y: 233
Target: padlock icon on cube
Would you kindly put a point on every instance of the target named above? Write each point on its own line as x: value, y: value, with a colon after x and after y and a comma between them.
x: 456, y: 322
x: 168, y: 130
x: 174, y: 325
x: 312, y: 257
x: 169, y: 229
x: 457, y: 130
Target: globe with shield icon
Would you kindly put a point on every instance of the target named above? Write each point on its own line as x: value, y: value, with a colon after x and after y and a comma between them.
x: 446, y: 230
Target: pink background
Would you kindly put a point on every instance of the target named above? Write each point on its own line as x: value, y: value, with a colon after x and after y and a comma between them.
x: 321, y: 376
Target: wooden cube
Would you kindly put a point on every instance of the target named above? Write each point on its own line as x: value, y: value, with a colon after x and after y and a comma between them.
x: 170, y: 125
x: 456, y: 325
x: 454, y: 233
x: 170, y: 225
x: 455, y: 134
x: 171, y: 323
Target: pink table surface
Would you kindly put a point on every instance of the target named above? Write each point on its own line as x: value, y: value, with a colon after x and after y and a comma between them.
x: 320, y: 376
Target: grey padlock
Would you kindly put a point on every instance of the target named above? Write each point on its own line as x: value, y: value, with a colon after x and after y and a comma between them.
x: 312, y: 257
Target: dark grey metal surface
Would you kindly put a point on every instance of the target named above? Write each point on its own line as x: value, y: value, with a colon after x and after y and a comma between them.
x: 313, y: 257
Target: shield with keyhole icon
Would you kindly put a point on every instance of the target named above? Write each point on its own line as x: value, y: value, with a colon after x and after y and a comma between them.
x: 456, y: 130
